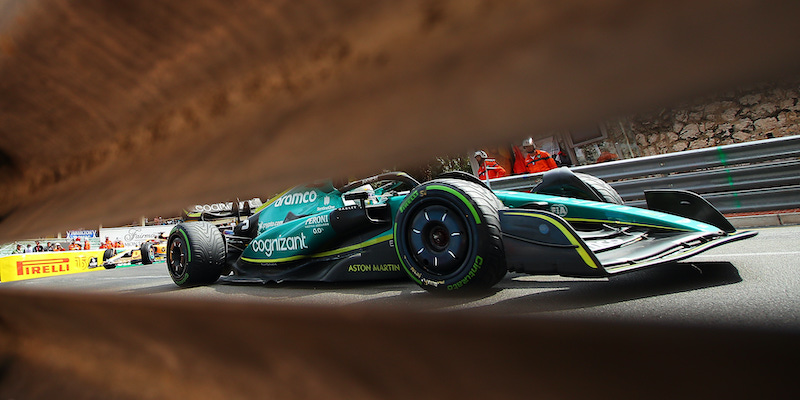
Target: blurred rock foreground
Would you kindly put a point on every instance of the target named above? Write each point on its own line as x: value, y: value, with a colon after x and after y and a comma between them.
x: 110, y: 110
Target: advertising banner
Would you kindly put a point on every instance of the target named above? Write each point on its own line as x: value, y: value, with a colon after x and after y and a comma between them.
x: 85, y: 234
x: 134, y: 236
x: 37, y: 265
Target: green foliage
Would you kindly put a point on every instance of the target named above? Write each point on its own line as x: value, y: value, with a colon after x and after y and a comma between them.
x: 440, y: 165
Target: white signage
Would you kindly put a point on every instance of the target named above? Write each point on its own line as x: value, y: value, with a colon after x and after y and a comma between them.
x: 134, y: 236
x: 218, y: 207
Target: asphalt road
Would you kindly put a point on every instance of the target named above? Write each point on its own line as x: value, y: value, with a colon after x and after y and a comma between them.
x: 753, y: 283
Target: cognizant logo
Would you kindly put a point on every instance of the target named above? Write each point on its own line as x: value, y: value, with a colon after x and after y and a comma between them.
x: 269, y: 246
x: 296, y: 198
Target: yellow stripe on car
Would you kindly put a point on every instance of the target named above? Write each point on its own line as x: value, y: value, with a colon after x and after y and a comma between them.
x: 587, y: 258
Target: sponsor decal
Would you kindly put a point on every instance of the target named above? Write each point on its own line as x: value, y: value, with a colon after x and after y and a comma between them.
x: 262, y: 226
x: 136, y: 235
x: 559, y: 209
x: 317, y: 223
x: 269, y: 246
x: 413, y: 270
x: 475, y: 267
x: 431, y: 283
x: 374, y: 268
x: 35, y: 265
x: 43, y: 266
x: 408, y: 201
x: 296, y: 198
x: 81, y: 234
x: 217, y: 207
x: 317, y: 220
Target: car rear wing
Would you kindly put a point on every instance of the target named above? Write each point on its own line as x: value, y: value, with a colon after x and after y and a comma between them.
x: 213, y: 216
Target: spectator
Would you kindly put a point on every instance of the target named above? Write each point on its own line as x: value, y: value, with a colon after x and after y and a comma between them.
x: 537, y: 160
x: 487, y: 167
x: 38, y: 248
x: 29, y: 249
x: 58, y: 247
x: 49, y: 247
x: 18, y: 250
x: 74, y: 245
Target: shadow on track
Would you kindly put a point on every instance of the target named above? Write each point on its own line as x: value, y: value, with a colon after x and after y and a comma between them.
x: 572, y: 295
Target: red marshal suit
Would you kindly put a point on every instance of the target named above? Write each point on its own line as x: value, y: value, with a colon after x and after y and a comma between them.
x: 491, y: 169
x: 539, y: 161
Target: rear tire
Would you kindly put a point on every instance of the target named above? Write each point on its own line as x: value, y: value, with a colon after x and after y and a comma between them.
x: 107, y: 255
x: 195, y: 254
x: 148, y: 253
x: 448, y: 236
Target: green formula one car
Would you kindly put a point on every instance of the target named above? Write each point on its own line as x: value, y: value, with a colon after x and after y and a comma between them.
x: 450, y: 234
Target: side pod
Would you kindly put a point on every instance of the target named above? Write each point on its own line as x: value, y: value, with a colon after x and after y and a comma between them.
x: 540, y: 242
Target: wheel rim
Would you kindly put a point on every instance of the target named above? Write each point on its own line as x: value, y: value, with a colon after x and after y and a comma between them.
x: 438, y: 239
x: 177, y: 259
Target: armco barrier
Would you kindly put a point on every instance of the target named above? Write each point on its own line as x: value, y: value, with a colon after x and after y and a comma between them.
x: 755, y: 176
x: 36, y: 265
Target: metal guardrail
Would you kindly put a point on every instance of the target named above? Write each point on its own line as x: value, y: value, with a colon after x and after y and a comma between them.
x: 754, y: 176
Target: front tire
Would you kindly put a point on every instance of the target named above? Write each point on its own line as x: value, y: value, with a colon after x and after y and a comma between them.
x: 195, y: 254
x: 448, y: 236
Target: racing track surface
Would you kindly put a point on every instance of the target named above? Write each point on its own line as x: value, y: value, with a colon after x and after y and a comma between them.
x: 722, y: 324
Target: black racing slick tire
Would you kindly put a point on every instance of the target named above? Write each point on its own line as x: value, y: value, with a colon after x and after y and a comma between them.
x: 195, y: 254
x: 447, y: 236
x: 148, y: 253
x: 602, y: 188
x: 107, y: 255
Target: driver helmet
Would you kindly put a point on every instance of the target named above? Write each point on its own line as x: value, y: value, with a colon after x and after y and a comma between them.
x: 371, y: 198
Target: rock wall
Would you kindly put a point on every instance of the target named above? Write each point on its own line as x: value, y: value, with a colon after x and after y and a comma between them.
x: 742, y: 115
x: 737, y: 116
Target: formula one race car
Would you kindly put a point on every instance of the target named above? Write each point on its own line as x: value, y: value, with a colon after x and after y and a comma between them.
x: 148, y: 252
x: 450, y: 234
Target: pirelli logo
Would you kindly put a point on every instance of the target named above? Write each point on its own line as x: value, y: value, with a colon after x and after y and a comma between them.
x: 44, y: 266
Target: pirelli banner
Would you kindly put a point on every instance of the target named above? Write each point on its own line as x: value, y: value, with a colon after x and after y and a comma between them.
x: 37, y: 265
